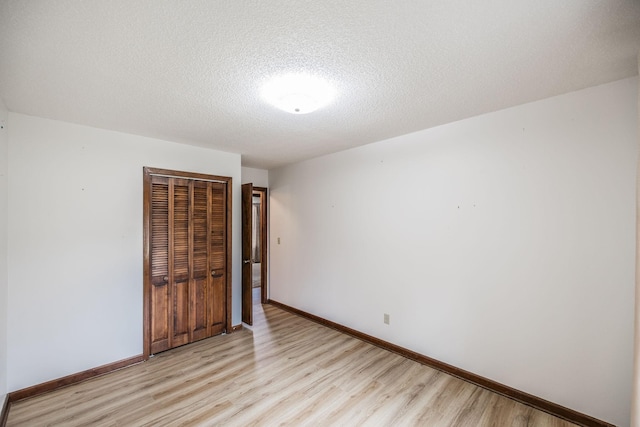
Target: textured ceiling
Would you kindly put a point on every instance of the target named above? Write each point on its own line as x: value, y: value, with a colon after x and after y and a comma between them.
x: 190, y: 71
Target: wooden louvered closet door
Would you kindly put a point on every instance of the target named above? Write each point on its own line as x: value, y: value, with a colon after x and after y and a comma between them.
x: 188, y: 257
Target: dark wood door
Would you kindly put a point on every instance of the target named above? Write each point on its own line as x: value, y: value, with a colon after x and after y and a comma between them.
x: 247, y: 268
x: 188, y: 256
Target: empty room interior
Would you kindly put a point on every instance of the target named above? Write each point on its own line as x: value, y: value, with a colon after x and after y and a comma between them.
x: 319, y: 213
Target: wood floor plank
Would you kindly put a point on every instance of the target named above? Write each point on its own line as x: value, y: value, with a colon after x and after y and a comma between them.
x: 285, y: 371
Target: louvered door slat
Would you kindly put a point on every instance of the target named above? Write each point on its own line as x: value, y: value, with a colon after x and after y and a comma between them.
x: 218, y: 226
x: 200, y: 232
x: 159, y: 230
x: 181, y: 232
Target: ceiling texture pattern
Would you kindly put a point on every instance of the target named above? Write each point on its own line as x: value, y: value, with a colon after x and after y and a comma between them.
x: 191, y: 71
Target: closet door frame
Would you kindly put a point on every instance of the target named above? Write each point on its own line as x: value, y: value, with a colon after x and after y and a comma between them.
x: 148, y: 172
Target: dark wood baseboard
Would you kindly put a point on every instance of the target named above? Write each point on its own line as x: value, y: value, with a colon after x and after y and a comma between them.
x: 235, y: 328
x: 38, y: 389
x: 517, y: 395
x: 4, y: 414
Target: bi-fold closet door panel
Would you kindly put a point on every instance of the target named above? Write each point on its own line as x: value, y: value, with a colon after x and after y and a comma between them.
x: 218, y: 255
x: 188, y: 257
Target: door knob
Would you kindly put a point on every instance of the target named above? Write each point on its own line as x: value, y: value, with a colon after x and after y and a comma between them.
x: 165, y: 279
x: 247, y: 261
x: 213, y: 272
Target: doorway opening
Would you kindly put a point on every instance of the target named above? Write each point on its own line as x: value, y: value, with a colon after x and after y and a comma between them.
x: 259, y: 244
x: 254, y: 249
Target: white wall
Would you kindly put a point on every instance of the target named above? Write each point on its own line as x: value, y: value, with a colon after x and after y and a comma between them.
x: 3, y: 249
x: 258, y: 177
x: 502, y: 244
x: 75, y: 243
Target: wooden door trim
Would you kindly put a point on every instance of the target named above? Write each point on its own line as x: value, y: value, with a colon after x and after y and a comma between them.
x: 247, y: 258
x: 78, y: 377
x: 229, y: 265
x: 148, y: 172
x: 146, y: 261
x: 264, y: 241
x: 188, y: 175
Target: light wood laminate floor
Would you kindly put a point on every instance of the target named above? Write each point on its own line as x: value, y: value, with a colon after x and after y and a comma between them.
x: 287, y: 371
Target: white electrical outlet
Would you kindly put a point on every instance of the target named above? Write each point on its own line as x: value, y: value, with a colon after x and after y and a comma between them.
x: 386, y: 318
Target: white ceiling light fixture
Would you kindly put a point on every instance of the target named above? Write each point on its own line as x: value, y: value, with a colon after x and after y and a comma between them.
x: 298, y: 93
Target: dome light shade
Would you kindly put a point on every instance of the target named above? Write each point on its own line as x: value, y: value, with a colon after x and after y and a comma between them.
x: 298, y: 93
